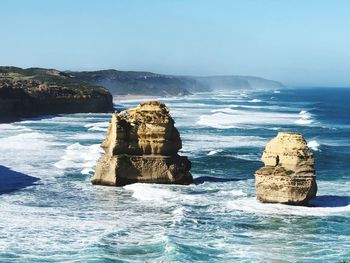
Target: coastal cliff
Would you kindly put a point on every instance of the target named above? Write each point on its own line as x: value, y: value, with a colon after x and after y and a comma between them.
x: 35, y: 92
x: 141, y: 146
x: 115, y: 82
x: 288, y: 175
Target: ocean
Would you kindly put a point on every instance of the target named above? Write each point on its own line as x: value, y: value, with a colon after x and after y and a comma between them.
x: 62, y: 217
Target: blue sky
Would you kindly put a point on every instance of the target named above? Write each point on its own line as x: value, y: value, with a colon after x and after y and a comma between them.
x: 298, y: 42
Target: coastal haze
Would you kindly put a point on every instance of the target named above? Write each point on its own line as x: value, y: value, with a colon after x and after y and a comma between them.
x: 229, y: 77
x: 298, y: 43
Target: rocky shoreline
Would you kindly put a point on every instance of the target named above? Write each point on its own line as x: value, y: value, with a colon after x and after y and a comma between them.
x: 37, y: 92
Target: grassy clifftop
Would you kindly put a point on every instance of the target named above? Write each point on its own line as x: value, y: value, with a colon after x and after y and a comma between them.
x: 33, y: 92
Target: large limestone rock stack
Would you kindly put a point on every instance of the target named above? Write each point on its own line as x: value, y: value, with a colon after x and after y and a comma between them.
x: 288, y: 175
x: 141, y: 146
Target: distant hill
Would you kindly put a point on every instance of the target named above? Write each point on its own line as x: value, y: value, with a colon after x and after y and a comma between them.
x: 147, y: 83
x: 139, y: 83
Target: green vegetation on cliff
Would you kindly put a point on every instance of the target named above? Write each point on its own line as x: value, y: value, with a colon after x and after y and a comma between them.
x: 34, y: 92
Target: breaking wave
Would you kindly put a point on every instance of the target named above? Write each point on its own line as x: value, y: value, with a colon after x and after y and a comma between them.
x: 313, y: 145
x: 239, y: 119
x: 80, y: 157
x: 255, y: 100
x: 305, y: 118
x: 98, y: 126
x: 252, y: 205
x: 157, y: 194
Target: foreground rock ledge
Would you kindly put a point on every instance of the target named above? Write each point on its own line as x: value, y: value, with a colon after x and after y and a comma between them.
x: 142, y: 146
x: 288, y: 175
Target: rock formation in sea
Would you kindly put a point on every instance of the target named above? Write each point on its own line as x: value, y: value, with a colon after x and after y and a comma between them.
x: 142, y: 146
x: 288, y: 175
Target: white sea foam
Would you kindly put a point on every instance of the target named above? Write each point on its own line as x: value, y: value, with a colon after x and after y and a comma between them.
x: 79, y: 156
x: 305, y: 118
x: 87, y: 171
x: 276, y: 91
x: 248, y: 107
x: 313, y: 145
x: 97, y: 126
x: 13, y: 127
x: 28, y: 152
x: 97, y: 129
x: 240, y: 119
x: 335, y: 142
x: 225, y: 110
x: 69, y: 120
x: 234, y: 192
x: 178, y: 214
x: 251, y: 205
x: 88, y: 136
x: 247, y: 157
x: 255, y: 100
x: 156, y: 193
x: 214, y: 152
x: 27, y: 140
x: 150, y: 192
x: 28, y: 121
x: 303, y: 122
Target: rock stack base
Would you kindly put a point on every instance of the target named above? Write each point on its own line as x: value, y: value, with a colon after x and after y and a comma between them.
x: 288, y: 175
x: 142, y: 146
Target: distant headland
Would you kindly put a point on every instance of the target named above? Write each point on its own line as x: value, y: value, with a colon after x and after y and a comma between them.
x: 38, y: 91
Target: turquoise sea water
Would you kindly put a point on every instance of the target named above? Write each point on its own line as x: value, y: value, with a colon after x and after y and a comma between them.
x: 63, y: 218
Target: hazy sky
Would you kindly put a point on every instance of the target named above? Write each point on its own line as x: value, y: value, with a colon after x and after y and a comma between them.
x: 304, y: 42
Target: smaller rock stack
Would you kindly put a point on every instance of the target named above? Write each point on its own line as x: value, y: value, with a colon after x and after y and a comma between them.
x: 141, y: 146
x: 288, y: 175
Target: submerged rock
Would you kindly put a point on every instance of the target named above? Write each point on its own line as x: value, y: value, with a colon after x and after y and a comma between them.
x: 288, y: 175
x: 141, y: 146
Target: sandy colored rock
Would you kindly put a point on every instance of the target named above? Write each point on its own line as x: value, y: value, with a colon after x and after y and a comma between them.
x: 288, y: 175
x: 142, y: 146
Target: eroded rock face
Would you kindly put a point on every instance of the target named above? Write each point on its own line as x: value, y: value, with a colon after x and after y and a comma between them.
x: 36, y: 92
x: 141, y: 146
x: 288, y: 175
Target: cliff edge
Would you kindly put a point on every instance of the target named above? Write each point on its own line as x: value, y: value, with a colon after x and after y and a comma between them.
x: 34, y: 92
